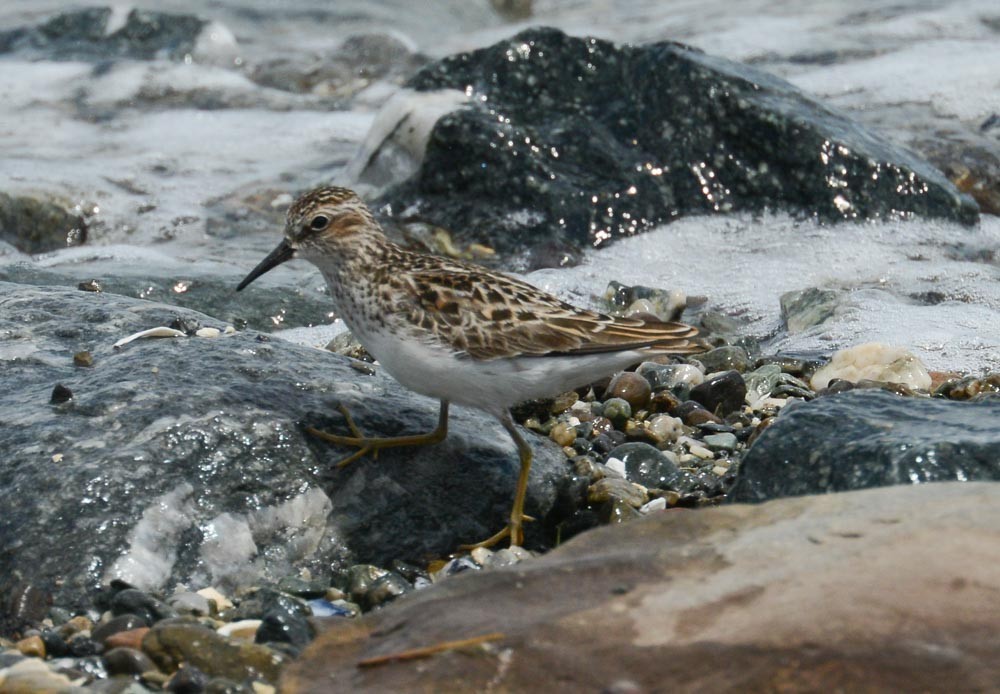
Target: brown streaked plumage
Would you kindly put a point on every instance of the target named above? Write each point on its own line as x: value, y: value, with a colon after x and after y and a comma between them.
x: 457, y: 331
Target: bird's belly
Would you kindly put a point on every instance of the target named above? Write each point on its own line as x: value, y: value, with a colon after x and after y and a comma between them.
x: 492, y: 385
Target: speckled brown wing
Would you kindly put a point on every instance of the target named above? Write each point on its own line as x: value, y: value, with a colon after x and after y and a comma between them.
x: 487, y: 315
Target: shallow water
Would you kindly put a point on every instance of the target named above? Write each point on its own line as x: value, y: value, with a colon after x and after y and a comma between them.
x: 182, y: 166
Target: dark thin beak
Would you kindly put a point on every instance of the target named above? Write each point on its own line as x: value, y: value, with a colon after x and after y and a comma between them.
x: 275, y: 258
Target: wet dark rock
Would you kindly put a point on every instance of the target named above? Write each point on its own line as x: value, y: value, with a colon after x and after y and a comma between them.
x: 132, y: 601
x: 694, y: 414
x: 38, y: 226
x: 615, y: 488
x: 624, y: 300
x: 205, y: 470
x: 281, y: 627
x: 23, y: 603
x: 267, y: 600
x: 169, y: 644
x: 870, y: 438
x: 459, y: 565
x: 360, y: 579
x: 294, y: 585
x: 385, y: 589
x: 726, y: 358
x: 82, y: 35
x: 721, y: 394
x: 805, y: 308
x: 579, y: 141
x: 55, y: 645
x: 60, y: 394
x: 81, y: 646
x: 127, y: 661
x: 646, y: 465
x: 630, y: 387
x: 187, y: 680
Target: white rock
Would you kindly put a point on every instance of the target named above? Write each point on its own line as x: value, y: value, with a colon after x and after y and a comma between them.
x: 874, y: 361
x: 616, y: 465
x: 657, y: 504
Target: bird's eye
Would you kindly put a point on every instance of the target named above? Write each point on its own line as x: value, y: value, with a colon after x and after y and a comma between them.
x: 319, y: 222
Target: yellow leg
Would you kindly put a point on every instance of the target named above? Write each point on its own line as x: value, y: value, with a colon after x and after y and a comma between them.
x: 514, y: 529
x: 367, y: 445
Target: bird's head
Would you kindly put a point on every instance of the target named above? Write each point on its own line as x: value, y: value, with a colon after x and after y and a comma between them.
x: 317, y: 225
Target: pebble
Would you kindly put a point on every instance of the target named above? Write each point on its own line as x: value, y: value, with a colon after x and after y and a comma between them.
x: 83, y: 358
x: 876, y: 362
x: 32, y: 646
x: 385, y: 589
x: 127, y: 661
x: 696, y: 448
x: 172, y: 642
x: 657, y: 504
x: 563, y: 434
x: 630, y: 387
x: 618, y: 411
x: 60, y: 394
x: 280, y: 627
x: 187, y: 680
x: 615, y: 466
x: 721, y: 442
x: 222, y: 603
x: 670, y: 376
x: 613, y: 488
x: 89, y: 286
x: 187, y: 602
x: 646, y: 465
x: 722, y: 393
x: 243, y: 629
x: 207, y: 332
x: 33, y: 675
x: 142, y: 605
x: 334, y: 608
x: 726, y: 358
x: 694, y: 414
x: 563, y: 402
x: 665, y: 429
x: 131, y: 638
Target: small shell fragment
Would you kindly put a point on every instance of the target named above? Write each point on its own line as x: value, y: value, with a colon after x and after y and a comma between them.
x: 162, y: 331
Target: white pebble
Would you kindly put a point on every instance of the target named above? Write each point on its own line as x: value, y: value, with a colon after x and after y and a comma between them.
x: 720, y: 471
x: 657, y: 504
x: 245, y: 629
x: 208, y: 332
x: 874, y: 361
x: 221, y: 601
x: 617, y: 466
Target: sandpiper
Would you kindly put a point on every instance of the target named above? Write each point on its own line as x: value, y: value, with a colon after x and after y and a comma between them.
x: 456, y: 331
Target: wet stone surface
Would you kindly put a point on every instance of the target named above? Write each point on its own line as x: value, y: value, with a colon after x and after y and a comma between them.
x: 589, y: 141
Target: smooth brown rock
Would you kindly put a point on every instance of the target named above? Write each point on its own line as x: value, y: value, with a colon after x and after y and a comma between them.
x: 127, y: 639
x: 172, y: 644
x: 890, y: 589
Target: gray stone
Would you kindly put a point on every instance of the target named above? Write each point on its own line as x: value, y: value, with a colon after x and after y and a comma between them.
x: 871, y: 438
x: 183, y: 460
x: 805, y: 308
x: 572, y: 142
x: 39, y: 226
x: 83, y: 34
x: 889, y: 590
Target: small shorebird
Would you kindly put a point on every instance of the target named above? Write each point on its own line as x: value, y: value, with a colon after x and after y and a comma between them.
x: 456, y: 331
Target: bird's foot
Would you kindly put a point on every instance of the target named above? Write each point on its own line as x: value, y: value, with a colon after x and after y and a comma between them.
x: 513, y: 530
x: 373, y: 445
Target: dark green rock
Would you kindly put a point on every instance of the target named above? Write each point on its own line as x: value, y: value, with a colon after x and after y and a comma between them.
x: 170, y: 644
x: 38, y: 226
x: 573, y: 142
x: 871, y: 438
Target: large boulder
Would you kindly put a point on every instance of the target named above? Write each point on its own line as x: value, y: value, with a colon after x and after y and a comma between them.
x: 871, y: 438
x: 880, y: 590
x: 569, y: 141
x: 183, y: 460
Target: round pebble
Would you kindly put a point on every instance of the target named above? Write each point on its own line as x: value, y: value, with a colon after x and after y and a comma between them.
x: 563, y: 434
x: 664, y: 428
x: 646, y: 465
x: 618, y: 411
x: 630, y: 387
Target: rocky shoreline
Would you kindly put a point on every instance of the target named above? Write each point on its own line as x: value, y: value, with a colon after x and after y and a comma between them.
x: 758, y: 516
